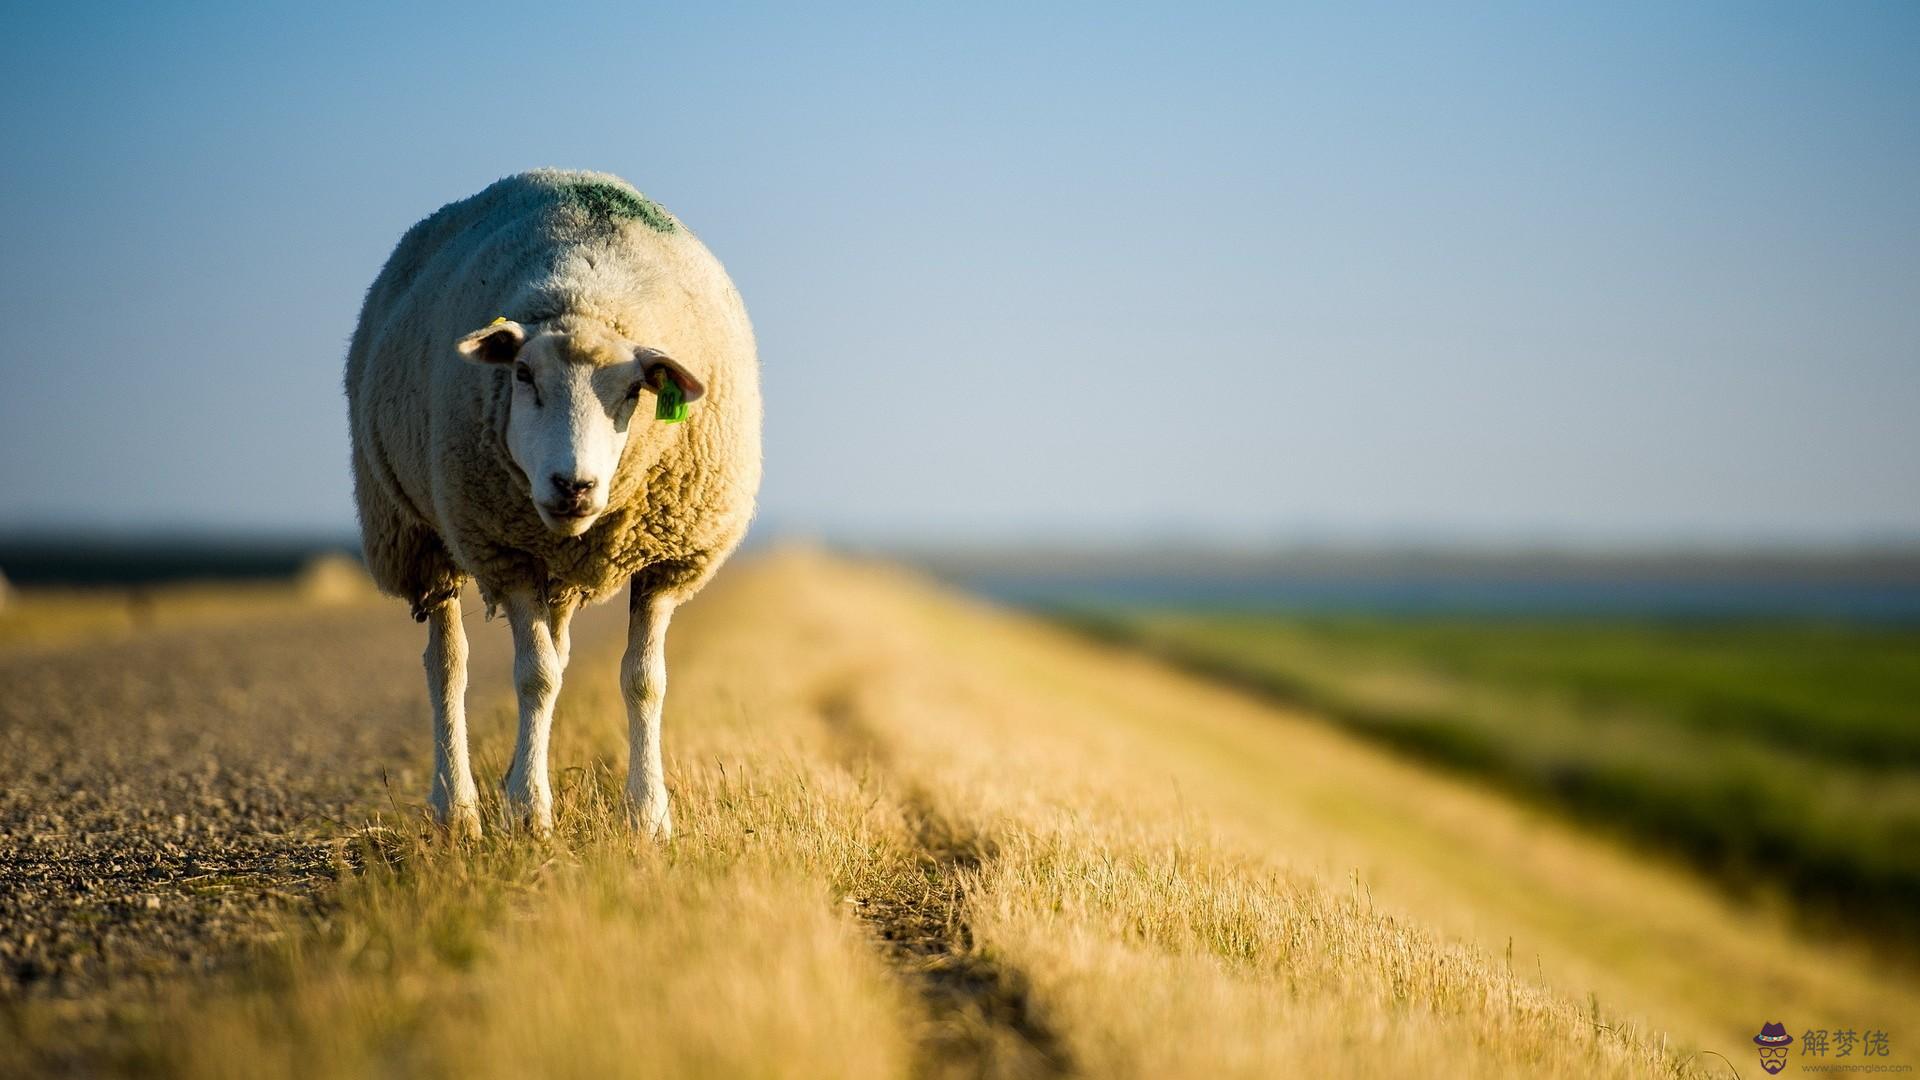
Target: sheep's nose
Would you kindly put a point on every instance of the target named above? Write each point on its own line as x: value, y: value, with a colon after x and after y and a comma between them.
x: 569, y: 485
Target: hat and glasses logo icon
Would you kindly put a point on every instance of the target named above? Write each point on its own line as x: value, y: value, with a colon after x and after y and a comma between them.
x: 1773, y: 1041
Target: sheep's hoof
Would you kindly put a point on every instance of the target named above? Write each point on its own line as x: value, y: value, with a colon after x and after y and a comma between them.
x: 461, y: 819
x: 650, y: 816
x: 463, y: 823
x: 529, y: 808
x: 535, y: 818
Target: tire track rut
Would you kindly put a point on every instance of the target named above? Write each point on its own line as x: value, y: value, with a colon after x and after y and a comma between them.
x: 981, y: 1018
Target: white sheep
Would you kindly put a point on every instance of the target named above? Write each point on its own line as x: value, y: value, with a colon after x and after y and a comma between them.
x: 510, y: 387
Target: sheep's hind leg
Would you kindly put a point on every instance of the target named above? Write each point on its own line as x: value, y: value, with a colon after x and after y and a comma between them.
x: 536, y: 677
x: 455, y: 803
x: 643, y: 682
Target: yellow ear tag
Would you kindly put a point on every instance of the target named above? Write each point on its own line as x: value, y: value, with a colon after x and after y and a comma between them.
x: 498, y: 320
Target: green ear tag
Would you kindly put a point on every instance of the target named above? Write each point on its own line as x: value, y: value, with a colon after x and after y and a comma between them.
x: 671, y: 403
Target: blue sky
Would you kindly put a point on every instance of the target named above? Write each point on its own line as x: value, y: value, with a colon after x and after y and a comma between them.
x: 1612, y: 273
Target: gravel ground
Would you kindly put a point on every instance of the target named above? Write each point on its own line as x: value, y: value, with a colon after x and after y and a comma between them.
x: 163, y: 793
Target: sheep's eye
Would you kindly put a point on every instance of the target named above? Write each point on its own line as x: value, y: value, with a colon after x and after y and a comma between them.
x: 523, y: 373
x: 633, y: 392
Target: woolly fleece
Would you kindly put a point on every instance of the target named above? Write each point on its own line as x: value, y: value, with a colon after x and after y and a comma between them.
x: 439, y: 498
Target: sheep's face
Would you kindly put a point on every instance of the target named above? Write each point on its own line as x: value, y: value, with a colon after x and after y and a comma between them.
x: 576, y: 396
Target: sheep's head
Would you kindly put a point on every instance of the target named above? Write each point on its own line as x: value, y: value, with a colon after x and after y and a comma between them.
x: 576, y: 393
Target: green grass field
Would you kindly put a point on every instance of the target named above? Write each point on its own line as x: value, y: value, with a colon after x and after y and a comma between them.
x: 1782, y: 757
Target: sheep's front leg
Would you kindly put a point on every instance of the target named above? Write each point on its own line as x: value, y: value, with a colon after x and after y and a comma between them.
x: 562, y: 613
x: 454, y: 801
x: 536, y: 678
x: 643, y: 682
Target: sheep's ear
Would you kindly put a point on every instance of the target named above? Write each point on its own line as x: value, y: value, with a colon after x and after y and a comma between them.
x: 498, y: 342
x: 658, y: 365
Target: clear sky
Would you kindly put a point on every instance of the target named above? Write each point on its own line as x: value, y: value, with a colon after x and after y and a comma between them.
x: 1588, y: 272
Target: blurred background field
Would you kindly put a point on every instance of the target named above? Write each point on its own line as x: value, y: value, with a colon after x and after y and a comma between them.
x: 63, y: 587
x: 1780, y: 756
x: 1755, y: 714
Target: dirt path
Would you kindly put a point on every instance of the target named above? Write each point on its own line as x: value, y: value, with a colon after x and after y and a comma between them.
x: 162, y: 793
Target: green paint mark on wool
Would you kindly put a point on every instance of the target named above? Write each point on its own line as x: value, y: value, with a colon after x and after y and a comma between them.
x: 611, y: 201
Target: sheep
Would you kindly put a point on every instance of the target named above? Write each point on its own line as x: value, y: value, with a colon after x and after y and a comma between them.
x: 515, y: 389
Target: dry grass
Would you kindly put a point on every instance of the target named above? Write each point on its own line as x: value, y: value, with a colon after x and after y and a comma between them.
x: 1158, y: 940
x: 916, y: 836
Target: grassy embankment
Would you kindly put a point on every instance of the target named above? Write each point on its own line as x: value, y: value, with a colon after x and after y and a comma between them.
x: 47, y: 616
x: 1783, y: 757
x: 915, y: 835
